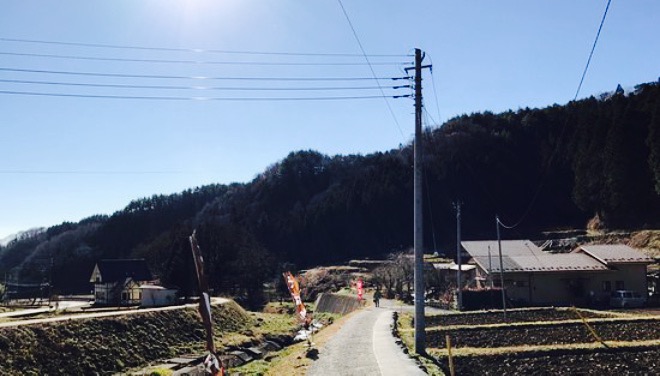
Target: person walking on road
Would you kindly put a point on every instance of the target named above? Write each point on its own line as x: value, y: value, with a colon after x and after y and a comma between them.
x: 377, y: 298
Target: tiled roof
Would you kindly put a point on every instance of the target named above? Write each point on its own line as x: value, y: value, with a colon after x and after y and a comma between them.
x: 614, y: 253
x: 509, y: 248
x: 541, y: 263
x: 524, y: 256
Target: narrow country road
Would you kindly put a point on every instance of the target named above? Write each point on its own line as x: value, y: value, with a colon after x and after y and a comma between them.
x: 365, y: 346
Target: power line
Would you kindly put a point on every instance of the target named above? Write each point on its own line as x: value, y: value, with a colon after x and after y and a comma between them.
x: 86, y: 172
x: 173, y: 87
x: 97, y: 74
x: 435, y: 94
x: 178, y: 98
x: 546, y: 172
x: 193, y: 50
x: 600, y: 27
x: 366, y: 57
x: 199, y: 62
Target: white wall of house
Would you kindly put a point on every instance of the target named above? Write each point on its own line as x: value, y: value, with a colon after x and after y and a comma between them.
x: 156, y: 297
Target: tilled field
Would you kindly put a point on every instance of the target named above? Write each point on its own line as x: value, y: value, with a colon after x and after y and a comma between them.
x: 545, y: 334
x: 496, y: 317
x: 595, y: 362
x: 546, y: 342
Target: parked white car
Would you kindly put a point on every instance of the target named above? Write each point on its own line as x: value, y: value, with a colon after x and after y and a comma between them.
x: 626, y: 299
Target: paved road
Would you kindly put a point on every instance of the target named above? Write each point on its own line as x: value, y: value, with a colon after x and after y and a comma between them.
x: 365, y: 346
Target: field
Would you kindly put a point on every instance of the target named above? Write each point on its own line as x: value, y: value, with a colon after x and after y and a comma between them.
x: 550, y: 341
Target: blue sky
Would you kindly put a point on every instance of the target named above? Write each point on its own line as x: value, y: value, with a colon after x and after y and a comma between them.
x: 66, y: 158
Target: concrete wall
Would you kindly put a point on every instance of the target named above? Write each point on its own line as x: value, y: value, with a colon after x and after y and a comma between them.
x: 157, y: 297
x: 341, y: 304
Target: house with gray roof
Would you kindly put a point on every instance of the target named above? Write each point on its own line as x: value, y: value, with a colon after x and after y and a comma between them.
x: 532, y: 276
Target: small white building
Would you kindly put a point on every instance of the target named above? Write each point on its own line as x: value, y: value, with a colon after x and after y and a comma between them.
x: 156, y: 296
x: 116, y: 282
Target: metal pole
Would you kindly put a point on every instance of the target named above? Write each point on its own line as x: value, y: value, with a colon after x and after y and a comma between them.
x: 458, y: 256
x: 420, y: 334
x: 499, y: 245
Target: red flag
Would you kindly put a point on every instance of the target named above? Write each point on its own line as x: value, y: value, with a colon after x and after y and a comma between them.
x: 360, y: 289
x: 294, y: 290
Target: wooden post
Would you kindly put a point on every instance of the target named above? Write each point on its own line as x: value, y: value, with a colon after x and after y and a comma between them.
x: 452, y: 371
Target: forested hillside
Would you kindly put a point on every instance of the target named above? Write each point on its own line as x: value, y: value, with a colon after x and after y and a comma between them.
x: 594, y: 160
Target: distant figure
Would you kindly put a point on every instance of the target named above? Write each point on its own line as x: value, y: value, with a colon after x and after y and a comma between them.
x: 308, y: 327
x: 377, y: 296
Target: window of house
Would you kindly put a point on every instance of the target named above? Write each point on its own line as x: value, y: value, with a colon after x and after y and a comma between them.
x: 619, y: 285
x: 607, y: 286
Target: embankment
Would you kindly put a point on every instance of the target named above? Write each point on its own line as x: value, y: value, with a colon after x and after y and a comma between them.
x: 113, y: 344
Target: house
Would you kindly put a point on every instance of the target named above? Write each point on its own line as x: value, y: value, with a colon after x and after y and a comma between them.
x: 630, y: 266
x: 584, y: 276
x: 449, y: 271
x: 156, y: 296
x: 117, y: 282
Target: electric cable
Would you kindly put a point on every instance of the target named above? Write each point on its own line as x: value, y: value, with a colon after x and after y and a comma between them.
x: 593, y: 48
x: 97, y: 74
x: 178, y: 98
x: 435, y: 95
x: 197, y: 62
x: 364, y: 53
x: 193, y: 50
x: 172, y: 87
x: 562, y: 132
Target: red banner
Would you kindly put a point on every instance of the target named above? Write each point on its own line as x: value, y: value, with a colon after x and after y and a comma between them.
x: 294, y: 290
x: 360, y: 289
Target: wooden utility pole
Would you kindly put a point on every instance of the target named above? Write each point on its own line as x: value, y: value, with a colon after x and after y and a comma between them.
x: 420, y: 334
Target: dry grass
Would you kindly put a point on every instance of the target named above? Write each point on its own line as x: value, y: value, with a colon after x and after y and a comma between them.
x: 293, y: 359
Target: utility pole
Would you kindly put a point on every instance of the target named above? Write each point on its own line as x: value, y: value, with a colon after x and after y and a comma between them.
x: 499, y: 245
x: 420, y: 334
x: 459, y: 272
x: 490, y: 268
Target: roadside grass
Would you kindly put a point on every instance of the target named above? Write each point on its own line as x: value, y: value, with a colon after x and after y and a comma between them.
x: 291, y: 360
x: 407, y: 335
x: 294, y: 359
